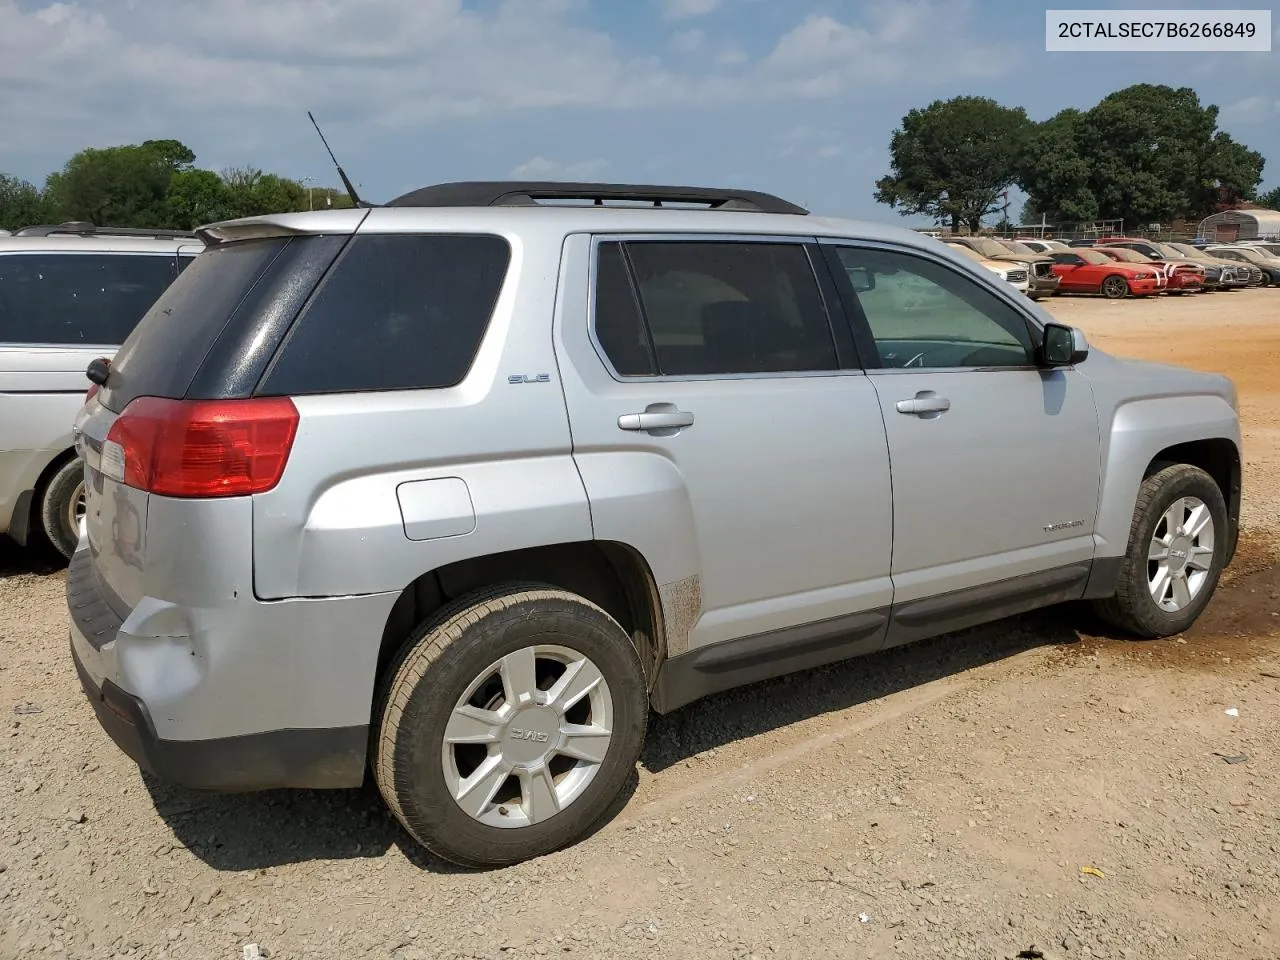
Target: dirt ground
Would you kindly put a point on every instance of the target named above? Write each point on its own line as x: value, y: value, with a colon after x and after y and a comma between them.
x: 1027, y: 789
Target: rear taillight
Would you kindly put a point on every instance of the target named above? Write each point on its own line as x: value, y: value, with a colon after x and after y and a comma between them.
x: 201, y: 448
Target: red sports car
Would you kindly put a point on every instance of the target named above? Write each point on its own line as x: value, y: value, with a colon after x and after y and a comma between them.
x: 1084, y: 270
x: 1181, y: 275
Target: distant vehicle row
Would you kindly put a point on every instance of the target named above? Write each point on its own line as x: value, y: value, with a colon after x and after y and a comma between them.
x: 1118, y: 267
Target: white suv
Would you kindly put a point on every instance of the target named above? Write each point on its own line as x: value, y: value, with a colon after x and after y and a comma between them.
x: 68, y: 293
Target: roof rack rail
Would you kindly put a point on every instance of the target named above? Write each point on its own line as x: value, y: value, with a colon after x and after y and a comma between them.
x: 498, y: 193
x: 82, y: 228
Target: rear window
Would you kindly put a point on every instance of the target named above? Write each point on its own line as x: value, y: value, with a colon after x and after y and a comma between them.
x: 78, y: 298
x: 163, y: 354
x: 397, y: 312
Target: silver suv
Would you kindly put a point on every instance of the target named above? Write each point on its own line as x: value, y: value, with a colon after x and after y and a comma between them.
x: 459, y: 487
x: 68, y: 293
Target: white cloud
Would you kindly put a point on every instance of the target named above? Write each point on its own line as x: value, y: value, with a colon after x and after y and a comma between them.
x: 823, y: 56
x: 687, y: 9
x: 805, y: 142
x: 540, y: 168
x: 1253, y: 109
x: 237, y: 75
x: 688, y: 41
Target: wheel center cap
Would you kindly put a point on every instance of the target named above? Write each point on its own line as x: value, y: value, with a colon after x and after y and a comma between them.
x: 530, y: 734
x: 1179, y: 552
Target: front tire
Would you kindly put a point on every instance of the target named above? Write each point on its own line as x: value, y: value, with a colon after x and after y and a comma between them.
x: 62, y: 508
x: 1177, y: 545
x: 1115, y: 288
x: 509, y: 725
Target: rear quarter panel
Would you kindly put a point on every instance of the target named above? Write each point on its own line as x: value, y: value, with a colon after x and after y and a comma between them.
x: 339, y: 522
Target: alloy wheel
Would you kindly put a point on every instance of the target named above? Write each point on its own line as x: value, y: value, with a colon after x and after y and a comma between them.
x: 527, y: 736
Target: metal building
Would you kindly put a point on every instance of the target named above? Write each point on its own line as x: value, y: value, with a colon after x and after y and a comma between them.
x: 1246, y: 223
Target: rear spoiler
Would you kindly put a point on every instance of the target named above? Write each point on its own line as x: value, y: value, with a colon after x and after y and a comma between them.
x: 312, y: 223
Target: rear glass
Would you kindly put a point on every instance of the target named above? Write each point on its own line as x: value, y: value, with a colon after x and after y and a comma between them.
x: 164, y: 352
x: 397, y: 312
x: 78, y: 298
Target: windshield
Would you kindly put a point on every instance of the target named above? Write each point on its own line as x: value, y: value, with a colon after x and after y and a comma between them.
x: 1272, y: 249
x: 1020, y: 248
x: 1186, y: 249
x: 1245, y: 252
x: 1127, y: 255
x: 990, y: 248
x: 1092, y: 256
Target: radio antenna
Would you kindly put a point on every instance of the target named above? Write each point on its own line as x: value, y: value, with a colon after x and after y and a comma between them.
x: 346, y: 182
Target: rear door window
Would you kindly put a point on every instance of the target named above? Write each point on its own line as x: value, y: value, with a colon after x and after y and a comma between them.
x: 397, y: 312
x: 713, y: 308
x: 73, y: 299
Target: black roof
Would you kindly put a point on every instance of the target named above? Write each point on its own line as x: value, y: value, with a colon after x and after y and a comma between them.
x: 496, y: 193
x: 82, y: 228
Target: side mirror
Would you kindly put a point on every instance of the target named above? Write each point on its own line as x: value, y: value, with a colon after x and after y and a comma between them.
x: 862, y: 279
x: 1063, y: 346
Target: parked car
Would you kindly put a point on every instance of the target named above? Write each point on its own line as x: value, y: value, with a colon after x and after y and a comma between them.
x: 1245, y: 274
x: 1087, y: 271
x: 1268, y: 265
x: 68, y: 293
x: 1218, y: 274
x: 470, y: 481
x: 1181, y: 275
x: 1082, y: 242
x: 1041, y: 246
x: 1266, y: 246
x: 1015, y: 273
x: 1044, y: 282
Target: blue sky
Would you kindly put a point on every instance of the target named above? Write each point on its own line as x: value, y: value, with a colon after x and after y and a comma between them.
x: 798, y: 97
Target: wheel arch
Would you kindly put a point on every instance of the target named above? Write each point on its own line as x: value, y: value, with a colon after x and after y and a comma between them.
x: 1201, y: 430
x: 1220, y: 458
x: 21, y: 527
x: 614, y: 576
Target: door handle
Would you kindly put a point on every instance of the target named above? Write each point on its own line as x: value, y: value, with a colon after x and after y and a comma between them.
x: 656, y: 420
x: 924, y: 402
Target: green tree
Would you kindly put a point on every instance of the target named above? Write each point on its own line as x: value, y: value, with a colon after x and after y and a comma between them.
x: 953, y: 160
x: 1270, y: 199
x: 255, y: 193
x: 21, y: 204
x: 123, y: 186
x: 1054, y: 174
x: 1145, y: 154
x: 197, y: 197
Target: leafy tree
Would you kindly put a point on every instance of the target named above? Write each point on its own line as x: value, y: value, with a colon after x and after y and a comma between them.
x: 1145, y: 154
x: 953, y: 160
x: 197, y: 197
x: 123, y: 186
x: 1054, y: 174
x: 21, y: 204
x: 255, y: 193
x: 1270, y: 199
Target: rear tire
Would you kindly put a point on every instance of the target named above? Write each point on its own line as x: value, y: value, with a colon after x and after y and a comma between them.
x: 61, y: 507
x: 526, y: 768
x: 1191, y: 565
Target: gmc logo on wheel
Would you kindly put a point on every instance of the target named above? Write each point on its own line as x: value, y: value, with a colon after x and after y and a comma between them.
x: 533, y: 735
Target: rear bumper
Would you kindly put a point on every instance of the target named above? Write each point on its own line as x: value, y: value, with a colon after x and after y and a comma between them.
x: 315, y: 759
x: 249, y: 701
